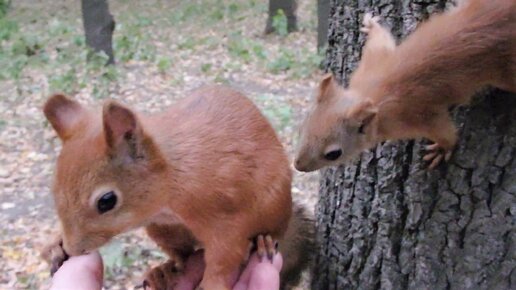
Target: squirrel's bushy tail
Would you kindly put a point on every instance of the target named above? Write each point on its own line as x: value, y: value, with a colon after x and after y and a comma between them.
x: 297, y: 246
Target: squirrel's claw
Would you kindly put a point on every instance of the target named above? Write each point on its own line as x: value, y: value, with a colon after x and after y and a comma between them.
x: 55, y: 255
x: 265, y: 247
x: 369, y: 22
x: 438, y: 158
x: 433, y: 147
x: 436, y: 155
x: 448, y: 155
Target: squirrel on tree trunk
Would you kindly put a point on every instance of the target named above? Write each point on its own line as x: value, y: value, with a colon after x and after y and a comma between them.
x: 405, y: 91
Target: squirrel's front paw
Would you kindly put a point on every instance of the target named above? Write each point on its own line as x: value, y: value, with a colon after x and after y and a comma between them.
x: 369, y: 22
x: 436, y: 153
x: 164, y: 276
x: 54, y: 254
x: 265, y: 246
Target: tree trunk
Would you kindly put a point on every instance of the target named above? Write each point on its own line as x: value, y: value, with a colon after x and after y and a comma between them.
x: 288, y: 7
x: 385, y: 222
x: 4, y: 6
x: 98, y: 26
x: 323, y: 13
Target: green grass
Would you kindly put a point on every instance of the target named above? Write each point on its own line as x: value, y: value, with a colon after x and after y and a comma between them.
x: 299, y: 64
x: 279, y: 114
x: 118, y: 256
x: 4, y: 6
x: 61, y: 53
x: 3, y: 124
x: 209, y: 12
x: 7, y: 28
x: 164, y: 64
x: 206, y: 67
x: 280, y: 23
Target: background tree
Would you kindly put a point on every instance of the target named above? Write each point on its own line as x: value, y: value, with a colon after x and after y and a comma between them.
x: 288, y: 7
x: 387, y: 223
x: 323, y: 12
x: 4, y: 6
x: 98, y: 26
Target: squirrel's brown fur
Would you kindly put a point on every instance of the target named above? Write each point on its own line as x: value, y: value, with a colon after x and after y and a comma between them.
x: 209, y: 172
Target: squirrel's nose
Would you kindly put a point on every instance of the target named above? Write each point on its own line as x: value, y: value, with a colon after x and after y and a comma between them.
x: 298, y: 164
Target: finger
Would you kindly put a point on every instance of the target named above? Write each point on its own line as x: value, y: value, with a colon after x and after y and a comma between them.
x: 80, y: 273
x: 277, y: 261
x: 430, y: 156
x: 264, y: 277
x: 448, y: 155
x: 436, y: 161
x: 432, y: 147
x: 244, y: 278
x: 366, y: 19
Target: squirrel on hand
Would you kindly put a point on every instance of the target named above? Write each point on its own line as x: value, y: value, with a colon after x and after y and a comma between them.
x: 208, y: 173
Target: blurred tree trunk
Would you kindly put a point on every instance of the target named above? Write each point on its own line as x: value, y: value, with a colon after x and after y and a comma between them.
x: 4, y: 6
x: 98, y: 26
x: 323, y: 14
x: 288, y: 7
x: 387, y: 223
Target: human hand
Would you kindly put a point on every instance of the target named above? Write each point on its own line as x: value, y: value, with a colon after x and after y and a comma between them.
x: 79, y: 273
x: 86, y: 273
x: 259, y: 274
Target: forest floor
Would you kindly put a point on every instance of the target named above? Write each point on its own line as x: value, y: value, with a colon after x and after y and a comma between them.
x: 164, y: 49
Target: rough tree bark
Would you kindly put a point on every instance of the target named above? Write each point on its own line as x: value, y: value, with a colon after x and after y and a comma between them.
x: 387, y: 223
x: 323, y: 13
x: 98, y: 26
x: 288, y: 7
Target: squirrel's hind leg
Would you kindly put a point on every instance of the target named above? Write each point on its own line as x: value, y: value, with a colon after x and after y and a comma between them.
x: 178, y: 243
x: 379, y: 39
x: 377, y: 52
x: 223, y: 256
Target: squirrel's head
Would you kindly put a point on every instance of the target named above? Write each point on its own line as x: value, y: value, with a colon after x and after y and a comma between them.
x: 338, y: 128
x: 106, y: 171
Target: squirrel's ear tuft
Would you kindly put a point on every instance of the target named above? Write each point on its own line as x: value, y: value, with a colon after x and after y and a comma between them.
x: 327, y: 88
x: 64, y: 114
x: 122, y: 131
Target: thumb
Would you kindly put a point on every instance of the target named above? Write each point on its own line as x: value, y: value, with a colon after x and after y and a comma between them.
x: 79, y: 273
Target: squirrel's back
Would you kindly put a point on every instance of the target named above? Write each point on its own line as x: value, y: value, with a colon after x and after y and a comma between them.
x: 219, y: 142
x: 474, y: 43
x: 214, y: 117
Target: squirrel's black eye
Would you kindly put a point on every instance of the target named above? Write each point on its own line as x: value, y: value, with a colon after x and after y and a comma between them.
x: 361, y: 128
x: 106, y: 202
x: 333, y: 155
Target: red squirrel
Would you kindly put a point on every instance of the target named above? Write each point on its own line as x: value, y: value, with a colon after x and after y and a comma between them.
x: 209, y: 173
x: 405, y: 91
